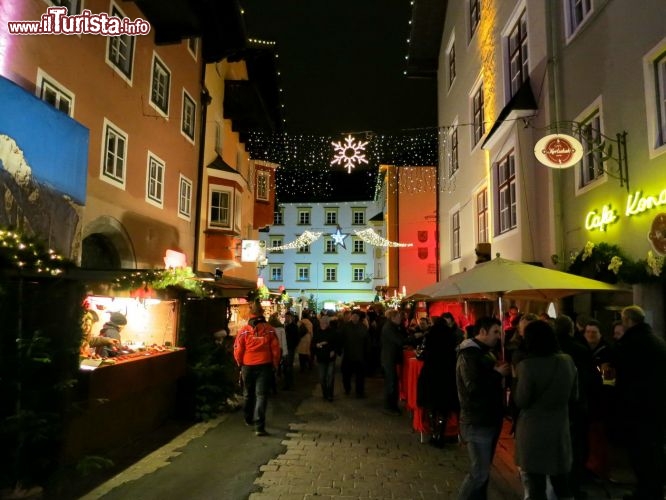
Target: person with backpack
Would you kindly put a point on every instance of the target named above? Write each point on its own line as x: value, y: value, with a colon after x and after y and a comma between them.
x: 257, y: 352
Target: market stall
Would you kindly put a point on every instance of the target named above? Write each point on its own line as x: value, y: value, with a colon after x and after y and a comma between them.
x: 120, y: 401
x: 127, y: 387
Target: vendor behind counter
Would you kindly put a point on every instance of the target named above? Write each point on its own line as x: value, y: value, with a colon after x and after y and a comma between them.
x: 111, y: 330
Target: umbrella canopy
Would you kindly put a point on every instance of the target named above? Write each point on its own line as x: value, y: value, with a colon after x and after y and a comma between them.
x: 511, y: 279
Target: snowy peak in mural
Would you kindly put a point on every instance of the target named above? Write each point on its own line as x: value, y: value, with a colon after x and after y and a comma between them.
x: 13, y: 161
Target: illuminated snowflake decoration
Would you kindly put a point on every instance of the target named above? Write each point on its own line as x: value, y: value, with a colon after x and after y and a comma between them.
x: 349, y: 154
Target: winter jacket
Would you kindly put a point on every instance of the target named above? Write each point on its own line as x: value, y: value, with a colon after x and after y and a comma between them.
x: 545, y: 386
x: 305, y: 330
x: 355, y: 343
x: 282, y: 339
x: 111, y: 331
x: 331, y: 344
x: 479, y: 385
x: 257, y: 345
x: 291, y: 331
x: 640, y: 378
x: 392, y: 344
x: 436, y: 386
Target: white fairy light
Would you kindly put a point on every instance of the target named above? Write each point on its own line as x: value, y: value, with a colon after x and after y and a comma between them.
x: 349, y: 154
x: 370, y: 236
x: 303, y: 240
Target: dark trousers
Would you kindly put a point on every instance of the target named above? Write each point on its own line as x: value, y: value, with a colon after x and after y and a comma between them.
x: 256, y: 385
x: 288, y: 370
x: 645, y: 450
x: 305, y: 362
x: 391, y: 394
x: 326, y: 378
x: 579, y: 423
x: 481, y: 443
x: 353, y: 369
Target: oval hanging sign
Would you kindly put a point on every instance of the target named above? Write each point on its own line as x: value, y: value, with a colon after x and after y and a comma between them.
x: 558, y: 151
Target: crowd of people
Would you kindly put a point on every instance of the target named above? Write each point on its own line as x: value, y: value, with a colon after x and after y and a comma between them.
x: 570, y: 392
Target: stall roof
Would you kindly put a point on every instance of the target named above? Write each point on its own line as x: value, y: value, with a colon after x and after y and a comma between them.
x: 226, y: 286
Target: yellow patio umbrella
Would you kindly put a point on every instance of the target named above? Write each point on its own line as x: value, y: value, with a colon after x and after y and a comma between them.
x: 511, y: 279
x: 504, y: 278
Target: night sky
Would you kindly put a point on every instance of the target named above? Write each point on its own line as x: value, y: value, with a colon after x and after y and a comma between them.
x: 341, y: 70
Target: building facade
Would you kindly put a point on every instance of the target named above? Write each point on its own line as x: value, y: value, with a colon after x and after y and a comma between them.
x: 491, y: 65
x: 510, y: 73
x: 410, y: 215
x: 337, y: 265
x: 132, y: 137
x: 238, y: 193
x: 612, y: 84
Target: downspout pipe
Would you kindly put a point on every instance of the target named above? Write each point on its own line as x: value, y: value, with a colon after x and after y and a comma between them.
x: 205, y: 102
x: 555, y: 113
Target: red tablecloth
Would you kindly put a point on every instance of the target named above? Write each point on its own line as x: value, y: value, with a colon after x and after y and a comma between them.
x: 409, y: 377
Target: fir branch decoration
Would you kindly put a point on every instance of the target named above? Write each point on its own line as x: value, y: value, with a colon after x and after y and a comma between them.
x: 160, y: 279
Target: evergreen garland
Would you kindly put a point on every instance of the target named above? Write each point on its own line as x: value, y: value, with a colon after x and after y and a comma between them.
x: 607, y: 262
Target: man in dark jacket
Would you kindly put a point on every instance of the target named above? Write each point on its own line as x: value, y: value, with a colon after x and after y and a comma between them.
x: 326, y: 342
x: 479, y: 380
x: 291, y: 332
x: 640, y: 386
x: 355, y: 342
x: 391, y: 356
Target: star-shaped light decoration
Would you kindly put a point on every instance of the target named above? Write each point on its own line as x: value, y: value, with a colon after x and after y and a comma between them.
x: 349, y: 154
x: 339, y: 238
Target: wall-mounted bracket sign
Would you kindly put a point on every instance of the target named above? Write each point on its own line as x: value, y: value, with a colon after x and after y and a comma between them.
x: 558, y: 151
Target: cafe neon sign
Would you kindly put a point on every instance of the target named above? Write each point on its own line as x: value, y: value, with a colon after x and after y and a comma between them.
x: 600, y: 220
x: 636, y: 204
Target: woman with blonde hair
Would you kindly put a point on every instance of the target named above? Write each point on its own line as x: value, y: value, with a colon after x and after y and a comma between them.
x: 303, y: 348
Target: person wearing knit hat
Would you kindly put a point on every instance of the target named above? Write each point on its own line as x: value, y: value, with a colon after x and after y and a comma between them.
x: 118, y: 319
x: 112, y: 329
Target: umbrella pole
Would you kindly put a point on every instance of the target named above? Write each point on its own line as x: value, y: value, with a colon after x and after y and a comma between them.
x: 501, y: 318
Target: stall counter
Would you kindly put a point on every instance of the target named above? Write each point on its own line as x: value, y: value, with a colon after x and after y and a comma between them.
x: 121, y: 401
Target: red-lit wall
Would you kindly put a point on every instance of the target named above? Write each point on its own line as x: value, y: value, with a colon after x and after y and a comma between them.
x: 416, y: 212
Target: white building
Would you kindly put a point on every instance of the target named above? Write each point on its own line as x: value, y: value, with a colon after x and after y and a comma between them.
x: 510, y: 72
x: 338, y: 266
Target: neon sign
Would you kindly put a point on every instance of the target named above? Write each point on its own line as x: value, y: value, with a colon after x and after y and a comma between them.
x: 636, y: 204
x: 595, y: 220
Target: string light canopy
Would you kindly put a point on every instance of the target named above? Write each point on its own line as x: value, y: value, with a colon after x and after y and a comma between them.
x: 350, y: 153
x: 306, y: 172
x: 368, y: 235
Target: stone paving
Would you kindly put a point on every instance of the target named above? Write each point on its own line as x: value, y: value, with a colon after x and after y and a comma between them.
x: 350, y: 449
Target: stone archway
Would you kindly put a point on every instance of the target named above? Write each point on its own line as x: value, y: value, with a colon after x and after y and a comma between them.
x: 106, y: 245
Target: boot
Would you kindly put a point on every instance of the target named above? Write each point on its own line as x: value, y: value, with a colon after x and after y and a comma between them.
x: 436, y: 438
